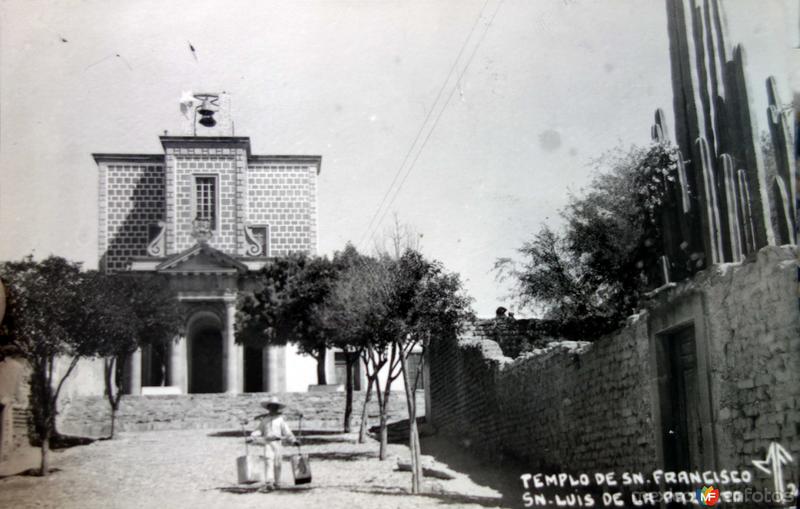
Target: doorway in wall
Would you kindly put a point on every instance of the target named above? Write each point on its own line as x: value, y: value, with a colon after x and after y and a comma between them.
x: 253, y: 369
x: 206, y: 361
x: 681, y: 423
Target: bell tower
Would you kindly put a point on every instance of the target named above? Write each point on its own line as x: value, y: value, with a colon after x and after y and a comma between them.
x: 206, y: 114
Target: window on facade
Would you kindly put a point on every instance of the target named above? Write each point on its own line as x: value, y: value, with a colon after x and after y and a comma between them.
x: 206, y: 199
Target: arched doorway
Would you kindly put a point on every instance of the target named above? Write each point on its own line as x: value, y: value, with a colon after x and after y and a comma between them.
x: 204, y: 349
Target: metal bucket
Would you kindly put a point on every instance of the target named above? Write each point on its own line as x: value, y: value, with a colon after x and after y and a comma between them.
x: 301, y: 469
x: 250, y: 468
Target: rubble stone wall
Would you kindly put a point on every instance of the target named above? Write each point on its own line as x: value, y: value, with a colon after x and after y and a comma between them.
x: 577, y: 407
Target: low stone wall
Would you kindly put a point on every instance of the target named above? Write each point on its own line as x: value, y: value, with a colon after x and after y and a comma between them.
x: 90, y: 415
x: 578, y: 407
x: 570, y: 404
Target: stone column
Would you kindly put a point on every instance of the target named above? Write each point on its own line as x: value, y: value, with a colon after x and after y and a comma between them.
x: 239, y: 368
x: 135, y: 363
x: 178, y: 364
x: 266, y: 369
x: 231, y: 352
x: 274, y: 365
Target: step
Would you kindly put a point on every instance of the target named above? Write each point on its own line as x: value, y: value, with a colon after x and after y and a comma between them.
x: 90, y: 415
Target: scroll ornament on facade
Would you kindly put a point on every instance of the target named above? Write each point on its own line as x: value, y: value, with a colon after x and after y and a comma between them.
x: 254, y: 247
x: 158, y: 246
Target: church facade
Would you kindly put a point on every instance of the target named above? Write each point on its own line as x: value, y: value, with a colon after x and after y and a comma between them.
x: 208, y: 214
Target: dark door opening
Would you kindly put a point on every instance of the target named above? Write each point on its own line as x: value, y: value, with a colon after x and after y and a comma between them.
x: 683, y: 433
x: 253, y: 369
x: 680, y: 403
x: 206, y: 361
x: 154, y: 365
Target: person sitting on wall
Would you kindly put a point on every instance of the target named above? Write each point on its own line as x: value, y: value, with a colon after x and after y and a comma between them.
x: 272, y: 430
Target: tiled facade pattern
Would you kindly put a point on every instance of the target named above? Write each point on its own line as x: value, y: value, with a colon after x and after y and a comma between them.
x: 222, y: 168
x: 283, y: 197
x: 135, y: 197
x: 133, y: 200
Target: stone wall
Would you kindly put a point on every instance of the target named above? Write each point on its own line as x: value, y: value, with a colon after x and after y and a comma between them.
x: 14, y: 398
x: 90, y: 415
x: 753, y: 326
x: 131, y: 200
x: 575, y: 406
x: 283, y: 197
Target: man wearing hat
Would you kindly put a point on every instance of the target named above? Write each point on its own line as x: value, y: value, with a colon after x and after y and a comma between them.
x: 272, y: 429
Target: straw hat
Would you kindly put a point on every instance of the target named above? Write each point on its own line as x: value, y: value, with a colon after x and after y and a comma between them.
x: 272, y: 402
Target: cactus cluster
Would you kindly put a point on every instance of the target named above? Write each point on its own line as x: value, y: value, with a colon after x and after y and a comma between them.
x: 728, y: 201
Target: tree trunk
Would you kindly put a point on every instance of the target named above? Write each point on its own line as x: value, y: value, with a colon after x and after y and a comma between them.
x: 384, y: 420
x: 45, y: 402
x: 362, y: 429
x: 321, y: 379
x: 119, y: 380
x: 413, y: 434
x: 379, y: 396
x: 45, y: 465
x: 384, y: 437
x: 109, y: 365
x: 348, y: 403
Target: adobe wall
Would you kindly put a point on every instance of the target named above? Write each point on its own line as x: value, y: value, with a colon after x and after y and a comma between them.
x: 578, y: 407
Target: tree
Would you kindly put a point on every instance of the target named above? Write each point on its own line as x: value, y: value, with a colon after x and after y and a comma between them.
x: 428, y: 303
x: 45, y: 322
x: 353, y: 315
x: 344, y: 295
x: 591, y: 276
x: 285, y: 309
x: 358, y: 310
x: 389, y: 307
x: 129, y: 311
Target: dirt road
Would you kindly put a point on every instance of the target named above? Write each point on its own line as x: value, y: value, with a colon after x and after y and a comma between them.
x: 196, y: 468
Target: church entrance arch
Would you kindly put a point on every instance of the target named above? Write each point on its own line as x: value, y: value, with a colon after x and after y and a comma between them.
x: 204, y: 352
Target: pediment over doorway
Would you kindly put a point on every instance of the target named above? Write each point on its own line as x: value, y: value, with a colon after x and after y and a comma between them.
x: 201, y: 259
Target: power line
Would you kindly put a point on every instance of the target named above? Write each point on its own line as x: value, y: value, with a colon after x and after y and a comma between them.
x: 422, y: 127
x: 436, y: 120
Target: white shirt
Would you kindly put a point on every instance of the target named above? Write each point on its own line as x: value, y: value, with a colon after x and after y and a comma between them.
x: 273, y: 427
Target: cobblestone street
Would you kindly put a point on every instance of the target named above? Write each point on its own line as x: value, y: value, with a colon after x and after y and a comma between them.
x: 196, y: 468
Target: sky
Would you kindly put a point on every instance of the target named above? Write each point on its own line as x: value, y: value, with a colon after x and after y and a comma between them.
x: 531, y: 93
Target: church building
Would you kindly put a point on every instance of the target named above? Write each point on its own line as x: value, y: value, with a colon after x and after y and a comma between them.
x: 208, y: 213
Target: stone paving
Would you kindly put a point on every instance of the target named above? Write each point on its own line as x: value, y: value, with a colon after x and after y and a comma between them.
x: 196, y: 468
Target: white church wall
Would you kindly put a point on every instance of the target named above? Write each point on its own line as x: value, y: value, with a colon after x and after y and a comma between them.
x: 85, y: 380
x: 301, y: 370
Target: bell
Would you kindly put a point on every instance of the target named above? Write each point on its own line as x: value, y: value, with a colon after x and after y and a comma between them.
x: 205, y: 112
x: 208, y: 121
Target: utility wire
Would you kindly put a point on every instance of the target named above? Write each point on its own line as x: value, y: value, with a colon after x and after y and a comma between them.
x: 397, y: 173
x: 436, y: 121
